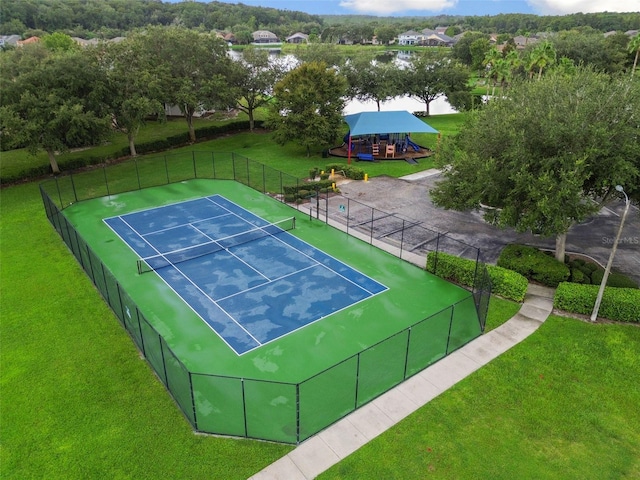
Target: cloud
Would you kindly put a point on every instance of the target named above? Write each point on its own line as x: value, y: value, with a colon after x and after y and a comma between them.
x: 388, y: 7
x: 563, y: 7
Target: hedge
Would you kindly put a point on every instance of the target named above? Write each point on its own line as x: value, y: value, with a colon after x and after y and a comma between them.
x: 621, y: 304
x: 504, y: 283
x: 534, y: 264
x: 142, y: 148
x: 350, y: 171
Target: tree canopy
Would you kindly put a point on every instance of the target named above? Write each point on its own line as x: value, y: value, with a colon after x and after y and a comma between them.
x: 545, y: 155
x: 307, y: 106
x: 52, y: 100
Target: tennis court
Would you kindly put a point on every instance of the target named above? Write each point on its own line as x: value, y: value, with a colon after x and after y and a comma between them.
x: 250, y: 280
x: 276, y: 337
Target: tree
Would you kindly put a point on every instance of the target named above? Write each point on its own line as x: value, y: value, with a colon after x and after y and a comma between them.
x: 634, y: 47
x: 543, y: 56
x: 52, y: 101
x: 462, y: 50
x: 192, y: 68
x: 491, y: 61
x: 308, y: 106
x: 59, y: 41
x: 372, y: 81
x: 134, y: 91
x: 254, y: 77
x: 385, y: 33
x: 547, y: 154
x: 428, y: 80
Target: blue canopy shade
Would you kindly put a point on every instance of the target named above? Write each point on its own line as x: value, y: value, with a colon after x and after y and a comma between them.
x: 371, y: 123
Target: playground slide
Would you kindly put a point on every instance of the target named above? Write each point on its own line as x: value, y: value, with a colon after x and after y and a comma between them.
x: 413, y: 145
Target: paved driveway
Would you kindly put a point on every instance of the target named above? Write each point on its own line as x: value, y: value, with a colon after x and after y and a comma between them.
x: 409, y: 196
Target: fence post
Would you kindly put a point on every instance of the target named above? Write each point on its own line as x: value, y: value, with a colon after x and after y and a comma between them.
x: 373, y: 212
x: 106, y: 180
x: 233, y: 164
x: 453, y: 308
x: 135, y: 161
x: 59, y: 194
x: 402, y: 238
x: 297, y: 413
x: 326, y: 208
x: 166, y: 168
x: 73, y: 187
x: 244, y: 409
x: 213, y: 164
x: 435, y: 261
x: 193, y: 401
x: 193, y: 160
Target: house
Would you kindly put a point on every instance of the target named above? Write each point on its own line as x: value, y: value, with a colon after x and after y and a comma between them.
x: 6, y: 40
x: 410, y: 37
x: 426, y: 37
x: 264, y: 36
x: 438, y: 40
x: 297, y: 38
x: 84, y: 42
x: 28, y: 41
x: 521, y: 41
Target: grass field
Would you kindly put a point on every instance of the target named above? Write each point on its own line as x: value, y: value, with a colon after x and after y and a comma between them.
x: 561, y: 405
x: 78, y: 402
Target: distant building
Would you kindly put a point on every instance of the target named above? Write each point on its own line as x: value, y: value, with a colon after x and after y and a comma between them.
x: 264, y: 36
x: 7, y: 40
x: 28, y: 41
x: 426, y: 37
x: 297, y: 38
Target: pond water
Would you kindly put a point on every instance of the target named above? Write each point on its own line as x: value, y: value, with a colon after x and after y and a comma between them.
x: 439, y: 106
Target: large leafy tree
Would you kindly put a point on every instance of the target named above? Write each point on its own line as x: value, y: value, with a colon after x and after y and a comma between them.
x: 307, y: 107
x: 192, y: 68
x: 547, y: 154
x: 135, y: 91
x: 372, y: 81
x: 254, y: 76
x: 428, y: 79
x: 52, y: 101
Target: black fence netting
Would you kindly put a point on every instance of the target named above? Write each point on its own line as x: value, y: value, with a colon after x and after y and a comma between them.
x: 242, y: 406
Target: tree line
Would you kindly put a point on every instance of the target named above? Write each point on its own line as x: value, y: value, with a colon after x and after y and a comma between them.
x: 58, y: 95
x: 112, y: 18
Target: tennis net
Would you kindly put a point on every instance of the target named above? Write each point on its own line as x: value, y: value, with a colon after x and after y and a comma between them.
x: 155, y: 262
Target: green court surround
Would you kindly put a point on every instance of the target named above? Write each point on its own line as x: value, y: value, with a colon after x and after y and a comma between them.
x: 296, y: 359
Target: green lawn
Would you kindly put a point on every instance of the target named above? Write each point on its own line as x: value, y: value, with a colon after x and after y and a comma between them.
x: 561, y: 405
x: 290, y: 158
x: 77, y: 401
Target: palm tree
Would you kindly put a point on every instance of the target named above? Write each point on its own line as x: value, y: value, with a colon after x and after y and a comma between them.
x: 634, y: 46
x: 544, y: 55
x: 491, y: 59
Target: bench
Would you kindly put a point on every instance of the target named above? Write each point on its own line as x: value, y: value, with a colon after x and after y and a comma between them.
x: 365, y: 156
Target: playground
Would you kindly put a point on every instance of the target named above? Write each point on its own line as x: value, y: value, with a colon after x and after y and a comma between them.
x: 369, y: 137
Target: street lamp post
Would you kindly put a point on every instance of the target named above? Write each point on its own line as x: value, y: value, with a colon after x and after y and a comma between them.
x: 596, y: 307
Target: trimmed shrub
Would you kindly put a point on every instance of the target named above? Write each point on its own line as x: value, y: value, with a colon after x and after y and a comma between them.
x: 534, y: 264
x: 505, y: 283
x: 614, y: 280
x: 578, y: 276
x: 350, y: 171
x: 621, y: 304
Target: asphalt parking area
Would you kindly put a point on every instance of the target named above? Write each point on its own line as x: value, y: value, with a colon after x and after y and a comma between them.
x: 409, y: 196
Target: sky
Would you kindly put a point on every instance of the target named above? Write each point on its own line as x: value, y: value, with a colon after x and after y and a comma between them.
x: 445, y: 7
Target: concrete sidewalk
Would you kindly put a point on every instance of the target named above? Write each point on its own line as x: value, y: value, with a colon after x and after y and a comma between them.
x: 331, y: 445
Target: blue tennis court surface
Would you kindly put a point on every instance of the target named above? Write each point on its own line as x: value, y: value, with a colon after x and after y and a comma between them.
x: 250, y: 281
